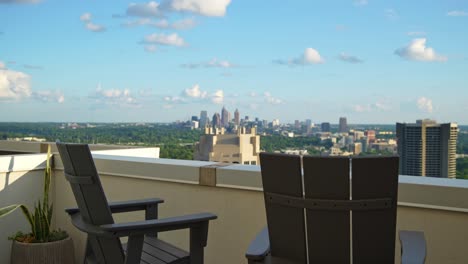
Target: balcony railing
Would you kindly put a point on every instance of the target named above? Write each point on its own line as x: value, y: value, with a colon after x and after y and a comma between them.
x: 439, y: 207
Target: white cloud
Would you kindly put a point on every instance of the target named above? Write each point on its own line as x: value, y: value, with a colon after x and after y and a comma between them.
x: 95, y: 28
x: 183, y: 24
x: 213, y: 63
x: 418, y: 51
x: 86, y: 17
x: 150, y: 9
x: 49, y: 96
x: 310, y: 56
x: 457, y: 13
x: 19, y: 1
x: 174, y: 99
x: 2, y: 65
x: 14, y: 85
x: 201, y: 7
x: 270, y: 99
x: 424, y: 104
x: 195, y: 92
x: 391, y: 14
x: 377, y: 106
x: 360, y: 2
x: 349, y: 58
x: 121, y: 97
x: 361, y: 108
x: 163, y: 39
x: 218, y: 97
x: 151, y: 48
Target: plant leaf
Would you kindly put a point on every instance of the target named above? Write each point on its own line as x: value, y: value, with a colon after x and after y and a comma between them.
x: 8, y: 209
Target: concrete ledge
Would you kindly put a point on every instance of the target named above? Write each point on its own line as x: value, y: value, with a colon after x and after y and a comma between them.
x: 422, y: 192
x: 22, y: 162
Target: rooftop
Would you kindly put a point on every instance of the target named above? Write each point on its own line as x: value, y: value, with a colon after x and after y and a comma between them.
x: 437, y: 206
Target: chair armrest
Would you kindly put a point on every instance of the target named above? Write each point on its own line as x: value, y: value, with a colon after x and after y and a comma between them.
x: 259, y: 247
x: 158, y: 225
x: 413, y: 247
x: 78, y: 222
x: 125, y: 206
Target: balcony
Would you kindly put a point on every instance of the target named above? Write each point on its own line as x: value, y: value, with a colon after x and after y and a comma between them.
x: 439, y: 207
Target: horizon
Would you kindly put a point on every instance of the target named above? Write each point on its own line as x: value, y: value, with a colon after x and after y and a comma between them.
x: 160, y: 61
x: 181, y: 121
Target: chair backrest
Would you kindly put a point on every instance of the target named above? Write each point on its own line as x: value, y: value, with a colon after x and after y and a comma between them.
x: 81, y: 173
x: 338, y: 209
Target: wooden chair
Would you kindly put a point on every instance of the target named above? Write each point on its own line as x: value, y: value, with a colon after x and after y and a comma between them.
x: 311, y: 219
x: 94, y: 216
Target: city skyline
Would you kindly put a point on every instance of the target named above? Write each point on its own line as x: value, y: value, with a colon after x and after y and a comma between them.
x: 160, y: 61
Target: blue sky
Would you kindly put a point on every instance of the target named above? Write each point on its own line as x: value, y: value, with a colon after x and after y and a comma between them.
x: 158, y: 61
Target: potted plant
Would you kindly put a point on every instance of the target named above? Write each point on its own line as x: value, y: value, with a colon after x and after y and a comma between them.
x: 41, y: 244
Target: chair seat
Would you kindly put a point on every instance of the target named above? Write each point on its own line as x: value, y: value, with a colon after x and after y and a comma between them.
x: 156, y: 251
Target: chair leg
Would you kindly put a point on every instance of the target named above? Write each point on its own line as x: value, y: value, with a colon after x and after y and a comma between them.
x: 88, y: 252
x: 134, y: 249
x: 151, y: 212
x: 198, y: 241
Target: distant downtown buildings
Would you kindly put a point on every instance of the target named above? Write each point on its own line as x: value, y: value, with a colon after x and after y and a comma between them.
x: 427, y: 148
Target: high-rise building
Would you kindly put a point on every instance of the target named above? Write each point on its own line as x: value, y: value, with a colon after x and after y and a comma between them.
x: 427, y: 148
x: 241, y: 148
x: 343, y: 125
x: 355, y: 148
x: 225, y: 116
x: 297, y: 124
x: 275, y: 122
x: 236, y: 117
x: 203, y: 119
x: 370, y: 134
x: 216, y: 120
x: 325, y: 127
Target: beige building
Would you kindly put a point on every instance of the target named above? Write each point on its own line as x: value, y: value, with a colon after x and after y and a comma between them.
x: 240, y: 148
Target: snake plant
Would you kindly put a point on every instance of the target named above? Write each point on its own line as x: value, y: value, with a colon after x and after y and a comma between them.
x: 40, y: 217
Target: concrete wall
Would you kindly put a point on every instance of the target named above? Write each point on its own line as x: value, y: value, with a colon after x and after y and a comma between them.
x: 21, y: 182
x: 238, y: 202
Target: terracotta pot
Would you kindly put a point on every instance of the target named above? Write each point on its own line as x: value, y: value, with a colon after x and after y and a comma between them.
x: 56, y: 252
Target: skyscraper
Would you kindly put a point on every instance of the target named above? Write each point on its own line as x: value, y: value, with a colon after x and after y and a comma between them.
x: 325, y: 127
x: 203, y: 118
x: 343, y: 126
x: 225, y: 116
x: 427, y: 148
x: 237, y: 117
x: 216, y: 120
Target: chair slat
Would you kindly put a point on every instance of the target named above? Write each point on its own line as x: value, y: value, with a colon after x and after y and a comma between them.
x: 374, y: 231
x: 328, y: 231
x: 281, y: 174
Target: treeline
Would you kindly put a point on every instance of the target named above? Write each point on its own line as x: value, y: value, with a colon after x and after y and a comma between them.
x: 175, y: 141
x: 462, y: 168
x: 462, y: 143
x: 277, y: 142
